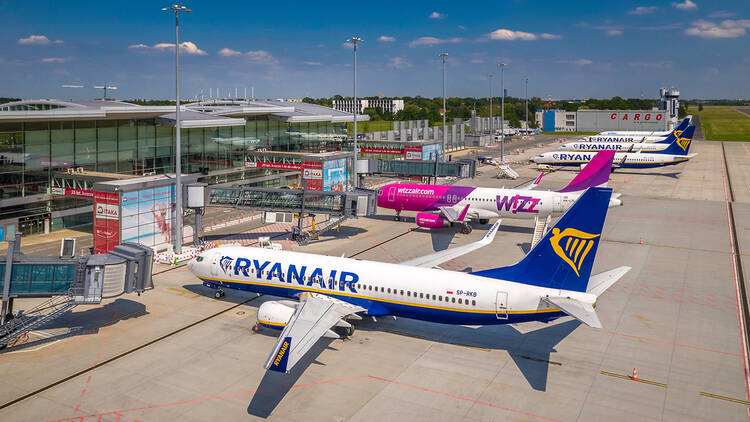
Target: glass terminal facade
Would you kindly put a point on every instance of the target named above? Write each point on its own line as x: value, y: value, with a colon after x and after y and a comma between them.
x: 32, y: 150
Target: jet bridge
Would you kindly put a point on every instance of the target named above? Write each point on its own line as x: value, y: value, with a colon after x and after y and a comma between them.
x: 338, y: 205
x: 67, y: 282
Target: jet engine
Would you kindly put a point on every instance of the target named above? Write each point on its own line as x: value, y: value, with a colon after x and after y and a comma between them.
x: 276, y: 314
x: 431, y: 221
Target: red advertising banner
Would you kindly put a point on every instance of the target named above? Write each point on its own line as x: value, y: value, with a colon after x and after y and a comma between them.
x: 80, y: 193
x: 106, y: 221
x: 382, y: 151
x: 277, y: 166
x: 312, y: 171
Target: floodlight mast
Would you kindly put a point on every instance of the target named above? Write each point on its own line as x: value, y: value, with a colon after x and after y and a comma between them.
x: 502, y: 111
x: 354, y: 40
x: 492, y: 132
x: 443, y: 56
x: 177, y: 238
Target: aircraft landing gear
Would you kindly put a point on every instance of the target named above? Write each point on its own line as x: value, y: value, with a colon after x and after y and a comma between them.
x: 345, y: 332
x: 466, y: 228
x: 219, y: 294
x: 398, y: 216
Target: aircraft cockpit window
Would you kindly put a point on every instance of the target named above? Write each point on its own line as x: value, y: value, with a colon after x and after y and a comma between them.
x: 198, y: 258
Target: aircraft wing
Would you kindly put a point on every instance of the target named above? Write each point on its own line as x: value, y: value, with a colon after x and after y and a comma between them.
x: 581, y: 311
x: 437, y: 258
x: 600, y: 282
x: 315, y: 316
x: 452, y: 215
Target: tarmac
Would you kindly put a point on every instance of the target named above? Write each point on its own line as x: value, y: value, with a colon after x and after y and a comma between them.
x: 176, y: 353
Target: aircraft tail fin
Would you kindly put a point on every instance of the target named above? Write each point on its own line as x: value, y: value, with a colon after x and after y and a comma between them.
x: 680, y: 145
x: 677, y: 132
x: 564, y: 257
x: 595, y: 173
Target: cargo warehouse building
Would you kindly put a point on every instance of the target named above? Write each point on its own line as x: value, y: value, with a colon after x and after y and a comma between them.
x: 52, y: 151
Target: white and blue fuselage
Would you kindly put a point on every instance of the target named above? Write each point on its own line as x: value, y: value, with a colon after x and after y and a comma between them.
x: 614, y: 146
x: 381, y: 288
x: 621, y: 159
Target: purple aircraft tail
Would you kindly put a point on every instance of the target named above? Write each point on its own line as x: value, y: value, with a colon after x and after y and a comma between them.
x: 596, y: 172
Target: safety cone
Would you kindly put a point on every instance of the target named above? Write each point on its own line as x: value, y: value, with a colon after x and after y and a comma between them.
x: 641, y: 241
x: 635, y: 375
x: 256, y: 328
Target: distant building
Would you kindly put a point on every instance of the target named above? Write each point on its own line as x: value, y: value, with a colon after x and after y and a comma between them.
x: 347, y: 105
x: 669, y: 101
x: 600, y: 120
x: 556, y: 120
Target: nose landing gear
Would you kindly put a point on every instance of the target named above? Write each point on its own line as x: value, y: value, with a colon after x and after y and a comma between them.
x: 219, y: 294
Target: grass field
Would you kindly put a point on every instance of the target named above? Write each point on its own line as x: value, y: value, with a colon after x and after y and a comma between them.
x: 721, y: 123
x: 569, y: 133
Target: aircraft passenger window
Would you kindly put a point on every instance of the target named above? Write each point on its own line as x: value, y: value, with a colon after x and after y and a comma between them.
x: 453, y: 299
x: 473, y: 303
x: 389, y: 290
x: 440, y: 298
x: 402, y: 292
x: 421, y: 296
x: 408, y: 293
x: 459, y: 301
x: 433, y: 297
x: 382, y: 289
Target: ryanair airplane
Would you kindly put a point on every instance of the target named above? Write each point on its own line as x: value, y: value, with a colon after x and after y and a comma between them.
x: 684, y: 136
x: 552, y: 281
x: 675, y: 153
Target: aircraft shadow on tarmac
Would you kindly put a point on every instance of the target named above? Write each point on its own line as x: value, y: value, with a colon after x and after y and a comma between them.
x: 88, y: 321
x: 673, y: 175
x: 531, y: 351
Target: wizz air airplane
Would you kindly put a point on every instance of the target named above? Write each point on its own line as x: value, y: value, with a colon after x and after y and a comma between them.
x: 441, y: 206
x: 327, y: 292
x: 628, y: 146
x: 684, y: 122
x: 648, y: 137
x: 675, y: 153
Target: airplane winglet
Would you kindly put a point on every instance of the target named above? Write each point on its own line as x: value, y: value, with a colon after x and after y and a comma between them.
x: 463, y: 213
x: 434, y: 259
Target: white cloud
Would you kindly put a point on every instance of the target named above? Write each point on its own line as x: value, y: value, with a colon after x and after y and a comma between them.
x: 398, y: 63
x: 579, y: 62
x: 613, y: 32
x: 726, y: 29
x: 652, y: 65
x: 436, y: 15
x: 228, y: 52
x: 37, y: 40
x: 461, y: 27
x: 686, y: 5
x: 477, y: 61
x: 643, y: 10
x: 55, y: 60
x: 434, y: 41
x: 312, y: 63
x: 550, y: 36
x: 721, y: 14
x: 262, y: 57
x: 186, y: 47
x: 386, y: 38
x: 508, y: 35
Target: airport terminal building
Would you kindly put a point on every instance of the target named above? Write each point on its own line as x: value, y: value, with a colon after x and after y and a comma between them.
x: 52, y: 151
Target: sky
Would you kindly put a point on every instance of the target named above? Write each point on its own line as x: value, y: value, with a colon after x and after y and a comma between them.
x: 581, y: 49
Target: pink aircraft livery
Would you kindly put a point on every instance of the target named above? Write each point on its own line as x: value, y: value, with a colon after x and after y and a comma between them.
x: 440, y: 206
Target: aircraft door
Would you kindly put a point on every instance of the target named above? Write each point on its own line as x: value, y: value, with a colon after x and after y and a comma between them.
x: 557, y: 205
x: 215, y: 265
x: 501, y: 305
x: 391, y: 194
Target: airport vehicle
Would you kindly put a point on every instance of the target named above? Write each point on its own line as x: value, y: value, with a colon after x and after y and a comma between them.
x: 675, y: 153
x: 685, y: 122
x: 440, y: 206
x: 552, y: 281
x: 663, y: 139
x: 625, y: 146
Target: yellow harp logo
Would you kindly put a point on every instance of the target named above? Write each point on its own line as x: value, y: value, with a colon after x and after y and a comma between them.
x: 677, y: 133
x: 683, y: 143
x: 575, y: 247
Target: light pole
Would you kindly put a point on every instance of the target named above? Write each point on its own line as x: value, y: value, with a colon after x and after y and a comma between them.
x: 527, y: 104
x: 443, y: 55
x: 502, y: 112
x: 492, y: 134
x: 177, y: 8
x: 354, y: 41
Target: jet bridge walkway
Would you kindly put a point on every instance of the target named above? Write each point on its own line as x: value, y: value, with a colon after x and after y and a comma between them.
x: 67, y: 282
x: 339, y: 206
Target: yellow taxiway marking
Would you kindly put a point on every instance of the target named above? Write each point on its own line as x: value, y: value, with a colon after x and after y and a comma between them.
x: 716, y: 396
x: 627, y: 377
